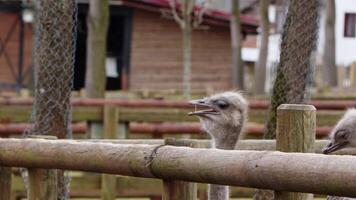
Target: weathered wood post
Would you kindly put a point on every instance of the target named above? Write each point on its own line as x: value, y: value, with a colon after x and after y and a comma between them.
x: 42, y: 182
x: 108, y: 182
x: 179, y: 190
x: 5, y: 183
x: 353, y: 74
x: 295, y: 133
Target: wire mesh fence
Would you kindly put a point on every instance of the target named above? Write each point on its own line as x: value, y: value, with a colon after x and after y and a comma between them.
x: 296, y: 67
x: 295, y: 70
x: 55, y: 36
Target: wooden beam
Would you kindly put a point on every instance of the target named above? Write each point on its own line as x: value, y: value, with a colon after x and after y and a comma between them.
x: 295, y: 133
x: 21, y: 114
x: 43, y: 183
x: 175, y: 189
x: 108, y: 182
x: 257, y: 169
x: 5, y: 183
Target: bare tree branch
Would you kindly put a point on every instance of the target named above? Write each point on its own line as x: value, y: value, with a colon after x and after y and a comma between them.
x: 176, y: 17
x: 199, y: 14
x: 190, y: 6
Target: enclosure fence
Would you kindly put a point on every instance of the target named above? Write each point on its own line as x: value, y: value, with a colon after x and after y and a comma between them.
x: 296, y: 65
x: 55, y: 36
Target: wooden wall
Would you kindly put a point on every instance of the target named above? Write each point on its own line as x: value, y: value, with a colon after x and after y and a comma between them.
x: 7, y: 21
x: 156, y: 55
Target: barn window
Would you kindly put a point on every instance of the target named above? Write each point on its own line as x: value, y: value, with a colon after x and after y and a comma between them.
x: 350, y: 25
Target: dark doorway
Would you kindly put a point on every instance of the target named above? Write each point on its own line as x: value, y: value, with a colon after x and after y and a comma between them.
x: 118, y: 47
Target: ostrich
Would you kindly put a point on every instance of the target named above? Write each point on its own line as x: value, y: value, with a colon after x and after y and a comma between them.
x: 342, y: 136
x: 223, y: 119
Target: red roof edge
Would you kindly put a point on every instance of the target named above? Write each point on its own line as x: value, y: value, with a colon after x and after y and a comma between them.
x: 210, y: 13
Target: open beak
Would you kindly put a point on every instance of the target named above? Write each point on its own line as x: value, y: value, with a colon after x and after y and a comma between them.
x: 331, y: 147
x: 204, y: 108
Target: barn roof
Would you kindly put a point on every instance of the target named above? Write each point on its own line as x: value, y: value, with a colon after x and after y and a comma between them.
x: 211, y: 16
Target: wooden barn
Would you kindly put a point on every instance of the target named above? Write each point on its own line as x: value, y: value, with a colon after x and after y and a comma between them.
x: 144, y: 47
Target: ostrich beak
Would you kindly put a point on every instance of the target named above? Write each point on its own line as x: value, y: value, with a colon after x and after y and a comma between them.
x: 331, y: 147
x: 205, y: 107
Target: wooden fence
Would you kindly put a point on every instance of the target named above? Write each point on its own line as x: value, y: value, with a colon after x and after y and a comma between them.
x: 268, y: 170
x: 173, y: 113
x: 152, y: 111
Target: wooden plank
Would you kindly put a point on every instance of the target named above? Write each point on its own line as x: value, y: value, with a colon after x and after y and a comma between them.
x: 42, y: 184
x: 295, y: 133
x: 176, y: 163
x: 111, y: 120
x: 179, y: 190
x: 5, y: 183
x: 20, y: 114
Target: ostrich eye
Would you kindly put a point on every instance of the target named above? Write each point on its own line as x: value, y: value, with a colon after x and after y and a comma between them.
x: 222, y: 104
x: 342, y: 134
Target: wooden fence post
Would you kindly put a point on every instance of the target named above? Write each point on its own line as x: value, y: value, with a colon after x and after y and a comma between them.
x: 5, y: 183
x: 108, y: 182
x: 295, y: 133
x: 353, y: 75
x: 123, y: 130
x: 179, y: 190
x: 42, y: 182
x: 341, y: 75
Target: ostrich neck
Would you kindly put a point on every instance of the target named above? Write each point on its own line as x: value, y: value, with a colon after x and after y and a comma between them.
x: 226, y: 139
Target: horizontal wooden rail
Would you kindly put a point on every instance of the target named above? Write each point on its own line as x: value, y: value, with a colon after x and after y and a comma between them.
x: 155, y: 103
x: 88, y: 186
x: 255, y: 145
x: 157, y: 129
x: 21, y: 114
x: 295, y: 172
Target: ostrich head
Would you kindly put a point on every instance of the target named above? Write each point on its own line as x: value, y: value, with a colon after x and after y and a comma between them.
x: 343, y: 134
x: 222, y: 116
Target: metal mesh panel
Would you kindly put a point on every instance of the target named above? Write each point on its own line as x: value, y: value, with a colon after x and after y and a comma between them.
x: 296, y: 66
x: 55, y: 36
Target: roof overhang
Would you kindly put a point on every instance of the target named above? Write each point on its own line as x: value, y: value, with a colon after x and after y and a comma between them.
x: 211, y: 17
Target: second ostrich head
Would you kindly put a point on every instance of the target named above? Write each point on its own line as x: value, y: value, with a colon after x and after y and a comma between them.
x: 344, y: 133
x: 222, y: 116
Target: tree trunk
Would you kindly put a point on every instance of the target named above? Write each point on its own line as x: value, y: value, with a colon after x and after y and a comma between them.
x: 236, y: 46
x: 53, y: 61
x: 98, y: 21
x: 293, y: 72
x: 260, y: 69
x: 330, y: 69
x: 186, y: 26
x: 187, y: 61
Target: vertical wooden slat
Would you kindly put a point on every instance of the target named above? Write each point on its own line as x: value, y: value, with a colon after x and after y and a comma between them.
x: 341, y: 75
x: 353, y: 74
x: 108, y: 182
x: 43, y: 184
x: 295, y: 133
x: 179, y: 190
x: 5, y: 183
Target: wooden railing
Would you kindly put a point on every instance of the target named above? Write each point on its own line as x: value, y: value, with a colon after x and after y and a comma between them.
x: 148, y: 161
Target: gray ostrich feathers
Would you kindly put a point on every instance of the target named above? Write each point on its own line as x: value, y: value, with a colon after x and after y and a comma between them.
x: 223, y: 117
x: 343, y: 135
